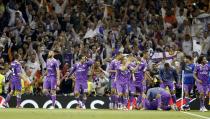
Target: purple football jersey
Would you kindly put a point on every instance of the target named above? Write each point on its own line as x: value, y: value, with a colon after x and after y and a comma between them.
x: 123, y: 76
x: 52, y: 65
x: 15, y: 78
x: 202, y: 73
x: 81, y: 70
x: 113, y: 66
x: 139, y: 74
x: 16, y: 70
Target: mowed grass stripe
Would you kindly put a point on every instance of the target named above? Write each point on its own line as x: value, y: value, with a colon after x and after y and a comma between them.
x: 89, y: 114
x: 206, y: 114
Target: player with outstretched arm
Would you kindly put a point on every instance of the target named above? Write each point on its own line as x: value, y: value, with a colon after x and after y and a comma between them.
x: 80, y: 70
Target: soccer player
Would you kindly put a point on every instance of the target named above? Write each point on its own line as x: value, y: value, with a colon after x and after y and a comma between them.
x: 52, y: 78
x: 81, y: 74
x: 201, y: 75
x: 112, y: 71
x: 15, y: 82
x: 188, y: 79
x: 157, y: 99
x: 167, y: 77
x: 136, y: 85
x: 147, y: 76
x: 123, y: 76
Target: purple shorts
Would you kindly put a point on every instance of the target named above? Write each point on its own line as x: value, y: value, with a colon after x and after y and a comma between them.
x: 169, y: 84
x: 50, y: 83
x: 202, y: 88
x: 81, y: 86
x: 122, y: 88
x: 16, y: 85
x: 188, y: 87
x: 136, y: 88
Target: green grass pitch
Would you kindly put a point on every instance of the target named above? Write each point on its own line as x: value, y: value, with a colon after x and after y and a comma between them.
x: 11, y: 113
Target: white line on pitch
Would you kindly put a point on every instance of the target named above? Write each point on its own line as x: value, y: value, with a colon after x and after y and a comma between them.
x: 204, y: 117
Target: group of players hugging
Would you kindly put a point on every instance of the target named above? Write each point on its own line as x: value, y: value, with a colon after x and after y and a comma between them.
x: 129, y: 78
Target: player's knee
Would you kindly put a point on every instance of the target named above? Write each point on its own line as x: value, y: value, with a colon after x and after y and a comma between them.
x: 53, y: 92
x: 76, y: 94
x: 113, y: 91
x: 186, y: 94
x: 11, y: 92
x: 45, y: 91
x: 18, y: 95
x: 201, y: 94
x: 144, y: 96
x: 84, y: 97
x: 125, y: 95
x: 120, y: 94
x: 173, y: 92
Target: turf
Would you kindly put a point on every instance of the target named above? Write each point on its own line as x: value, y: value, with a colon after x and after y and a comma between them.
x: 206, y: 114
x: 94, y: 114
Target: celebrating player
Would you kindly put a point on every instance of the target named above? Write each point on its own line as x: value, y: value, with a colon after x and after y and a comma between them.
x: 122, y: 79
x: 81, y: 74
x: 188, y: 80
x: 15, y: 82
x: 136, y: 85
x: 141, y: 75
x: 201, y: 75
x: 156, y: 99
x: 52, y: 78
x: 167, y: 77
x: 112, y: 71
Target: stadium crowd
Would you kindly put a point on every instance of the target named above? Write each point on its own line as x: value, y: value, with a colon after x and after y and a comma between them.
x: 170, y: 30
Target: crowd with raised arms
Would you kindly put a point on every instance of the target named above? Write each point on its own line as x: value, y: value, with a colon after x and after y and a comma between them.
x: 115, y: 48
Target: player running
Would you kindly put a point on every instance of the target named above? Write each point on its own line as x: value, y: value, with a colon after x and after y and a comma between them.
x: 201, y: 75
x: 52, y: 78
x: 81, y: 74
